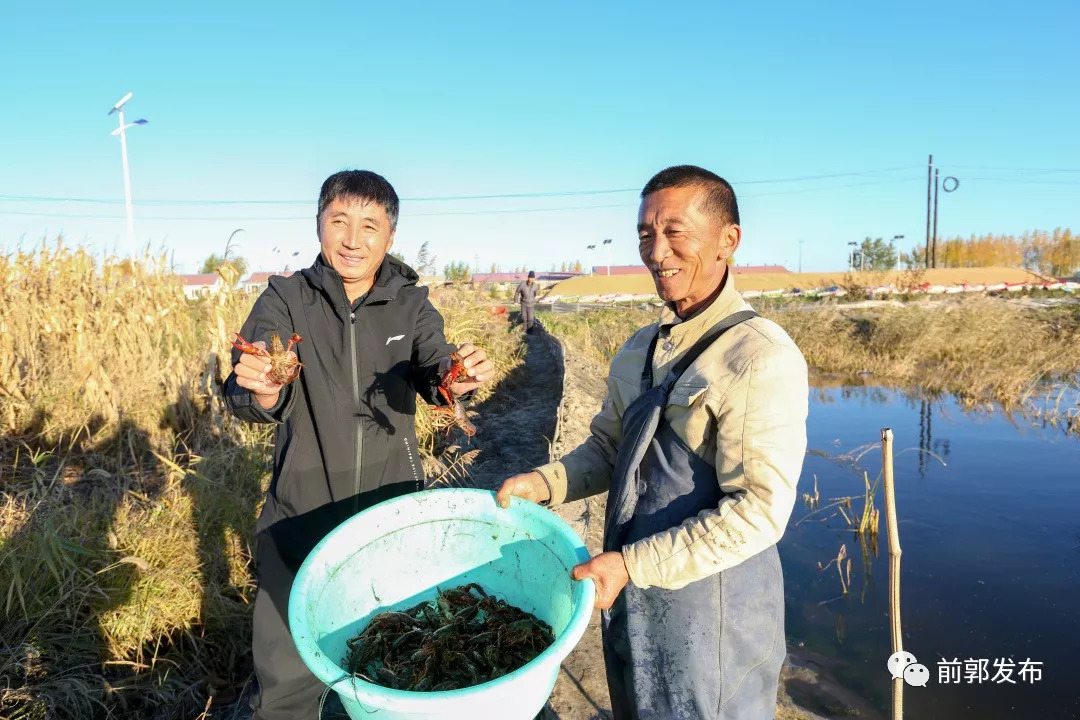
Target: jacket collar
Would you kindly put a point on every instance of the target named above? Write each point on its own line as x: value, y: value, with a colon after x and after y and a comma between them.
x: 393, y: 275
x: 727, y: 302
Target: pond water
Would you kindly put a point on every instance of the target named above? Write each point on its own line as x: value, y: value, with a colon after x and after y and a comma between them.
x: 991, y: 556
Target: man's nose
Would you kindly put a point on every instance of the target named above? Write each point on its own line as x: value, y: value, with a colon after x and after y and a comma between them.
x: 354, y: 238
x: 659, y: 251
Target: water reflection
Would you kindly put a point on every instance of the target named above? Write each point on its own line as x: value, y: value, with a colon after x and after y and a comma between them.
x: 991, y: 549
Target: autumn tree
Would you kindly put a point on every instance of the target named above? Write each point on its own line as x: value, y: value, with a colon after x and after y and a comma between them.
x: 876, y: 254
x: 457, y: 272
x: 1054, y: 253
x: 211, y: 264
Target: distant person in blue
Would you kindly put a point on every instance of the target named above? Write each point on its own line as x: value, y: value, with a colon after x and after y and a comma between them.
x: 526, y: 295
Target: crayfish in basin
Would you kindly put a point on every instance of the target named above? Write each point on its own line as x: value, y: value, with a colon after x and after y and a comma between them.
x: 463, y: 637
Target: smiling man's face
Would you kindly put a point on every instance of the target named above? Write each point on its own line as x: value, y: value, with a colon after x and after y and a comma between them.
x: 355, y: 236
x: 685, y: 247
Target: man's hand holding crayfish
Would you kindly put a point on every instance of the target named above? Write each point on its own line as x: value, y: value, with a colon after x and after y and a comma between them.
x: 478, y: 368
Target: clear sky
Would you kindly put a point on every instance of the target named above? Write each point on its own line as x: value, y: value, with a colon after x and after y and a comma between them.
x: 261, y: 102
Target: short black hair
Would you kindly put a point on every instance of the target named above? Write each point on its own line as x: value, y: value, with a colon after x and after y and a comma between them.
x: 719, y: 195
x: 360, y: 185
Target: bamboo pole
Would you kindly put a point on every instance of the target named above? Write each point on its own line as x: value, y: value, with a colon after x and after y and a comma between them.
x: 894, y: 566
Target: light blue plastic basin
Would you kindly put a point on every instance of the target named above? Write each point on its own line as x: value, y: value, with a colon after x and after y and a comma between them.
x: 397, y: 553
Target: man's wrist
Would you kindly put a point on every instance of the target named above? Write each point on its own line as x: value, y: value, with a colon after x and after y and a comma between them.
x: 268, y: 402
x: 547, y: 482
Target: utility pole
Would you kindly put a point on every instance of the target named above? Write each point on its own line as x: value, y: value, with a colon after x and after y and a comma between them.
x: 476, y: 263
x: 933, y: 252
x: 851, y: 255
x: 929, y: 176
x: 607, y: 244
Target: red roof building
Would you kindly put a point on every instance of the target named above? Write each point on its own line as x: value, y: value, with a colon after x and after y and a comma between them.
x: 258, y: 281
x: 200, y: 279
x: 510, y: 277
x: 642, y: 270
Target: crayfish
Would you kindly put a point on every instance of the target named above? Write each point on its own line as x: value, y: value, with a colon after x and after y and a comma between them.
x: 453, y: 405
x: 284, y: 365
x: 461, y: 638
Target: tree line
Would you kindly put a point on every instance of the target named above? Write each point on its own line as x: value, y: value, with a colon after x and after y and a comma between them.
x: 1055, y: 253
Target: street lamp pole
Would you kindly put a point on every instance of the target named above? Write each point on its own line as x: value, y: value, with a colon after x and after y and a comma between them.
x: 894, y: 239
x: 607, y: 244
x: 851, y: 255
x: 122, y: 132
x: 590, y: 248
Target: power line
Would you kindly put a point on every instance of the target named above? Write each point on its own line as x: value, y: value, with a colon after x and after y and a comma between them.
x: 1016, y: 169
x: 1024, y: 181
x: 309, y: 218
x: 443, y: 213
x: 437, y: 198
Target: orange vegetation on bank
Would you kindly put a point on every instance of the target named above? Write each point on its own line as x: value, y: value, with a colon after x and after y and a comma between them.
x: 643, y: 284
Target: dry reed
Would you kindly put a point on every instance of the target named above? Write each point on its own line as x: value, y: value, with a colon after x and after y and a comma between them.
x: 127, y: 498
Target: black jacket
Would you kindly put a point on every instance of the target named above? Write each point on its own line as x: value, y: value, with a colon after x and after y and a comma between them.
x: 345, y: 438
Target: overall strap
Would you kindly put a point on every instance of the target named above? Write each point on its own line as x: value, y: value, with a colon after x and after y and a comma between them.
x: 695, y: 351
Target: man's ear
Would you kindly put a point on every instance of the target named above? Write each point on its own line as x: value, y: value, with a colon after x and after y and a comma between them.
x: 393, y: 234
x: 730, y: 237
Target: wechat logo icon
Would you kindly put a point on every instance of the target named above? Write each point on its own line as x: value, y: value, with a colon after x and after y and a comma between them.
x: 904, y: 665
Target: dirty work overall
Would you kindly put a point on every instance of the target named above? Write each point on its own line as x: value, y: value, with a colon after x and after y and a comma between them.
x: 712, y: 649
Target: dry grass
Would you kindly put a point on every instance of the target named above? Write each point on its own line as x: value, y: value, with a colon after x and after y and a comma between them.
x: 127, y: 498
x: 980, y: 349
x: 597, y: 334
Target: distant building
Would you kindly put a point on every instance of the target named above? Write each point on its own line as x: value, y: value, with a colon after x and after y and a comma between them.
x: 642, y: 270
x: 258, y: 281
x: 200, y: 284
x: 431, y: 280
x: 503, y: 281
x: 759, y: 269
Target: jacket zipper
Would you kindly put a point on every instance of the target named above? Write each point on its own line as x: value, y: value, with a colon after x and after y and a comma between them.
x: 356, y: 399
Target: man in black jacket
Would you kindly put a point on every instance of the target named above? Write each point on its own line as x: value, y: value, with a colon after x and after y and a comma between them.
x: 345, y: 438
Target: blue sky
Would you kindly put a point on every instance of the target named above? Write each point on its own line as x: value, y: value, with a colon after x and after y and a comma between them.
x: 259, y: 102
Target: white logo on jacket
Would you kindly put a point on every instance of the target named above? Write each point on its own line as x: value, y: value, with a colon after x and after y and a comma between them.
x: 392, y: 339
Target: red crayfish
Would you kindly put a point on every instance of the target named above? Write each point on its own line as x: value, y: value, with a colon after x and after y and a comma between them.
x: 284, y: 365
x: 453, y: 405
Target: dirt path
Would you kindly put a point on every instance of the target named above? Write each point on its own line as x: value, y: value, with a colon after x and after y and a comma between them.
x: 515, y: 426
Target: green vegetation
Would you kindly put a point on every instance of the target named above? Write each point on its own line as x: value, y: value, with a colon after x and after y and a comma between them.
x: 215, y: 261
x: 457, y: 272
